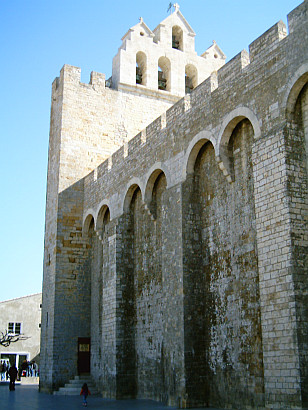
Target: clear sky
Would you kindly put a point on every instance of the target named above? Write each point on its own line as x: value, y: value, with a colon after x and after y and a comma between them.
x: 37, y: 38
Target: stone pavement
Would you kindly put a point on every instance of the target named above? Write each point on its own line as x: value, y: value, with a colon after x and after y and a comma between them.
x: 27, y: 397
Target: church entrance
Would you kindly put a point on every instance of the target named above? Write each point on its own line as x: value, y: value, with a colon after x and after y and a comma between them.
x: 84, y: 352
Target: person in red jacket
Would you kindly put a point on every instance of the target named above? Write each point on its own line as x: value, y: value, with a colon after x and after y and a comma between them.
x: 85, y: 392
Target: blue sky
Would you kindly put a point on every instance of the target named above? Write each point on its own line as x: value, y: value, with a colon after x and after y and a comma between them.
x: 37, y: 38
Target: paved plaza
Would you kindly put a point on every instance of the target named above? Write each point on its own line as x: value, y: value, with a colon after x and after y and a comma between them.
x: 27, y: 397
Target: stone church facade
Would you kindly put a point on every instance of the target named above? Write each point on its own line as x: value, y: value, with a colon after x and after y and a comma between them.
x: 175, y: 263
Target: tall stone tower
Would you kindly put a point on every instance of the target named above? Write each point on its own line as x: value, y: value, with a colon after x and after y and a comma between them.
x: 151, y: 71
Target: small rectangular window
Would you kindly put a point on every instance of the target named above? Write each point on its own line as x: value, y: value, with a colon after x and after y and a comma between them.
x: 14, y: 328
x: 17, y: 328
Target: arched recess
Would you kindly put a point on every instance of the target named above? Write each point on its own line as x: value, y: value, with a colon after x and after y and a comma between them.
x: 129, y: 228
x: 141, y: 68
x: 293, y: 89
x: 177, y: 38
x: 133, y: 185
x: 88, y: 221
x: 139, y: 277
x: 192, y: 151
x: 105, y: 203
x: 164, y: 74
x: 296, y: 103
x: 150, y: 178
x: 148, y: 232
x: 197, y: 298
x: 103, y: 218
x: 102, y: 287
x: 222, y: 326
x: 296, y: 139
x: 191, y: 78
x: 84, y: 361
x: 222, y: 148
x: 156, y: 185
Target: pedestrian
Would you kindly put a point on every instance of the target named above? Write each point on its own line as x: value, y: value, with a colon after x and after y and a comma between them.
x: 13, y: 374
x: 29, y: 369
x: 24, y: 367
x: 35, y: 369
x: 4, y: 369
x: 85, y: 392
x: 7, y: 370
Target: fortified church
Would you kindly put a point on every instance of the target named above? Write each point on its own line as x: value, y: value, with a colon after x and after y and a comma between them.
x: 175, y: 263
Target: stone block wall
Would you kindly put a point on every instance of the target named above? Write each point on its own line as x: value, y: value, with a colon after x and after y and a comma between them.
x: 96, y: 120
x: 195, y: 240
x: 222, y: 318
x: 88, y: 123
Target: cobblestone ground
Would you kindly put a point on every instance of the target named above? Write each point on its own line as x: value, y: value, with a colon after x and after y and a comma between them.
x: 27, y: 397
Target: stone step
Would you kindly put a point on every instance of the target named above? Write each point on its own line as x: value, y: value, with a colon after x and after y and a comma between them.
x: 71, y: 391
x: 29, y: 380
x: 85, y: 376
x: 88, y: 381
x: 73, y: 388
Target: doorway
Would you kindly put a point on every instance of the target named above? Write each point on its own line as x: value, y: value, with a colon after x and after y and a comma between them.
x: 84, y: 352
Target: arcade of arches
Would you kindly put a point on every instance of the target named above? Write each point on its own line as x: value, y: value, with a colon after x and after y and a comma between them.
x: 221, y: 318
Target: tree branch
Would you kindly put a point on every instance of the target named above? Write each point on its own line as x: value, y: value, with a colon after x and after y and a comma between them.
x: 7, y: 338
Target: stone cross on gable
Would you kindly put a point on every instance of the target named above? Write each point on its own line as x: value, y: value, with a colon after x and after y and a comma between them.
x: 176, y: 7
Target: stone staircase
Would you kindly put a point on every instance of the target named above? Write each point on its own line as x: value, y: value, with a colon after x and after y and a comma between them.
x: 73, y: 387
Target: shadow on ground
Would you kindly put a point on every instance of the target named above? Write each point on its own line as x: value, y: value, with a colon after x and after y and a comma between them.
x: 27, y: 397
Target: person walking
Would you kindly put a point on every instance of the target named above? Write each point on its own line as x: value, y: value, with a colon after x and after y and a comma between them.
x: 4, y: 369
x: 24, y: 367
x: 85, y: 392
x: 13, y: 374
x: 35, y: 368
x: 29, y: 369
x: 8, y: 365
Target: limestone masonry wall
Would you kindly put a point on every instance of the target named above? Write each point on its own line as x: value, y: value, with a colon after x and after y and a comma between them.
x: 96, y: 120
x: 176, y: 232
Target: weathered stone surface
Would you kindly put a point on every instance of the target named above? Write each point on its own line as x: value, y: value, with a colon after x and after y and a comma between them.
x: 190, y: 275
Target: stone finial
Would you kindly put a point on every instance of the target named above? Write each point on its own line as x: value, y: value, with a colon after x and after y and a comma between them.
x: 141, y: 19
x: 176, y: 7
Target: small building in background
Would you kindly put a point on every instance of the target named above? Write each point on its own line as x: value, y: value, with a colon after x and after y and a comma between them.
x: 22, y: 316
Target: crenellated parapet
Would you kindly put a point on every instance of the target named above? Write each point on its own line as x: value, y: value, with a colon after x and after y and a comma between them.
x: 72, y: 75
x: 231, y: 70
x: 268, y: 41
